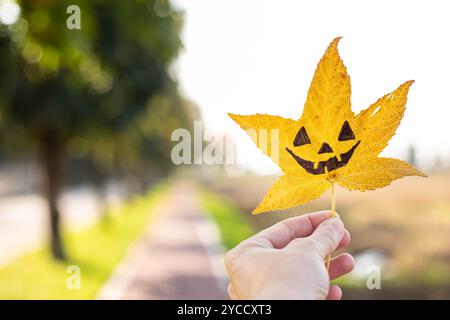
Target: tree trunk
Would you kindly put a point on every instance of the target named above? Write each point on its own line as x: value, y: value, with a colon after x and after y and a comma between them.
x: 100, y: 184
x: 53, y: 169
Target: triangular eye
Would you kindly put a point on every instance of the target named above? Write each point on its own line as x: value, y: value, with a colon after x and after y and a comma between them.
x: 346, y: 132
x: 301, y: 138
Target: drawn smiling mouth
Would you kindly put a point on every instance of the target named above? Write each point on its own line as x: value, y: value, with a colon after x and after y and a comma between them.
x: 330, y: 164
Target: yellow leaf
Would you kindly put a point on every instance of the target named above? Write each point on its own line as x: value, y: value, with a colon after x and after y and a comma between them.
x: 267, y: 131
x: 328, y: 99
x: 328, y: 143
x: 375, y: 173
x: 288, y: 192
x: 377, y: 124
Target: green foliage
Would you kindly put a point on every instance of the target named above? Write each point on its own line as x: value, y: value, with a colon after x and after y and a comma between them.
x: 96, y: 250
x: 85, y: 91
x: 91, y: 84
x: 233, y: 225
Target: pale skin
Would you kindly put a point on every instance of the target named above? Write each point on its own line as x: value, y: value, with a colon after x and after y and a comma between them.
x: 287, y: 260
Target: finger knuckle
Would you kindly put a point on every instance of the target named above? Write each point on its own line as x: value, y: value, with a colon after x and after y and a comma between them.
x: 299, y: 242
x: 313, y: 245
x: 304, y: 243
x: 230, y: 259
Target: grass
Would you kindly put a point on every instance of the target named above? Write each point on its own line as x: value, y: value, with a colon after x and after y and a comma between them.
x: 96, y: 251
x: 233, y: 225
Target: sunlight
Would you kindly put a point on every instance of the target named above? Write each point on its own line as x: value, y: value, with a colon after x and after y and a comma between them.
x: 9, y: 12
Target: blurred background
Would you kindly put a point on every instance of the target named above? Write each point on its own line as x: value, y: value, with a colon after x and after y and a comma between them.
x: 92, y: 205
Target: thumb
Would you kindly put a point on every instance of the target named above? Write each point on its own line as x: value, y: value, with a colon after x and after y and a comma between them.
x: 327, y: 236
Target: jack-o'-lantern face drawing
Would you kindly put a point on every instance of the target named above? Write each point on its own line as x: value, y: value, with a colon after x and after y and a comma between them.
x: 328, y: 157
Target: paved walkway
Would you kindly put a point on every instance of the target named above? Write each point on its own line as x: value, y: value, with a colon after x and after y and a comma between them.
x: 178, y: 258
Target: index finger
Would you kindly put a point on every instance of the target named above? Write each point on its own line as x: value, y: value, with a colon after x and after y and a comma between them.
x: 280, y: 234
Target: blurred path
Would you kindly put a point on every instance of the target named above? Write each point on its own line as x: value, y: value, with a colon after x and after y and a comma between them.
x: 178, y: 258
x: 26, y: 216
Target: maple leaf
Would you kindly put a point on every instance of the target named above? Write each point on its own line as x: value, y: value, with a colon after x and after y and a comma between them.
x: 329, y: 143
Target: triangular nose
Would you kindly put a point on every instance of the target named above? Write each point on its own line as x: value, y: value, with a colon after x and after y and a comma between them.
x: 325, y: 148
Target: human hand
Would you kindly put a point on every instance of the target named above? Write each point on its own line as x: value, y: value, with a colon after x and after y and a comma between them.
x: 287, y: 260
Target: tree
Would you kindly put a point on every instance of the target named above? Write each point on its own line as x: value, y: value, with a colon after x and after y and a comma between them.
x: 412, y: 157
x: 59, y: 84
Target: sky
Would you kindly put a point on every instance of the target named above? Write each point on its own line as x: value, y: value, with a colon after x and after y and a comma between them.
x: 248, y: 56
